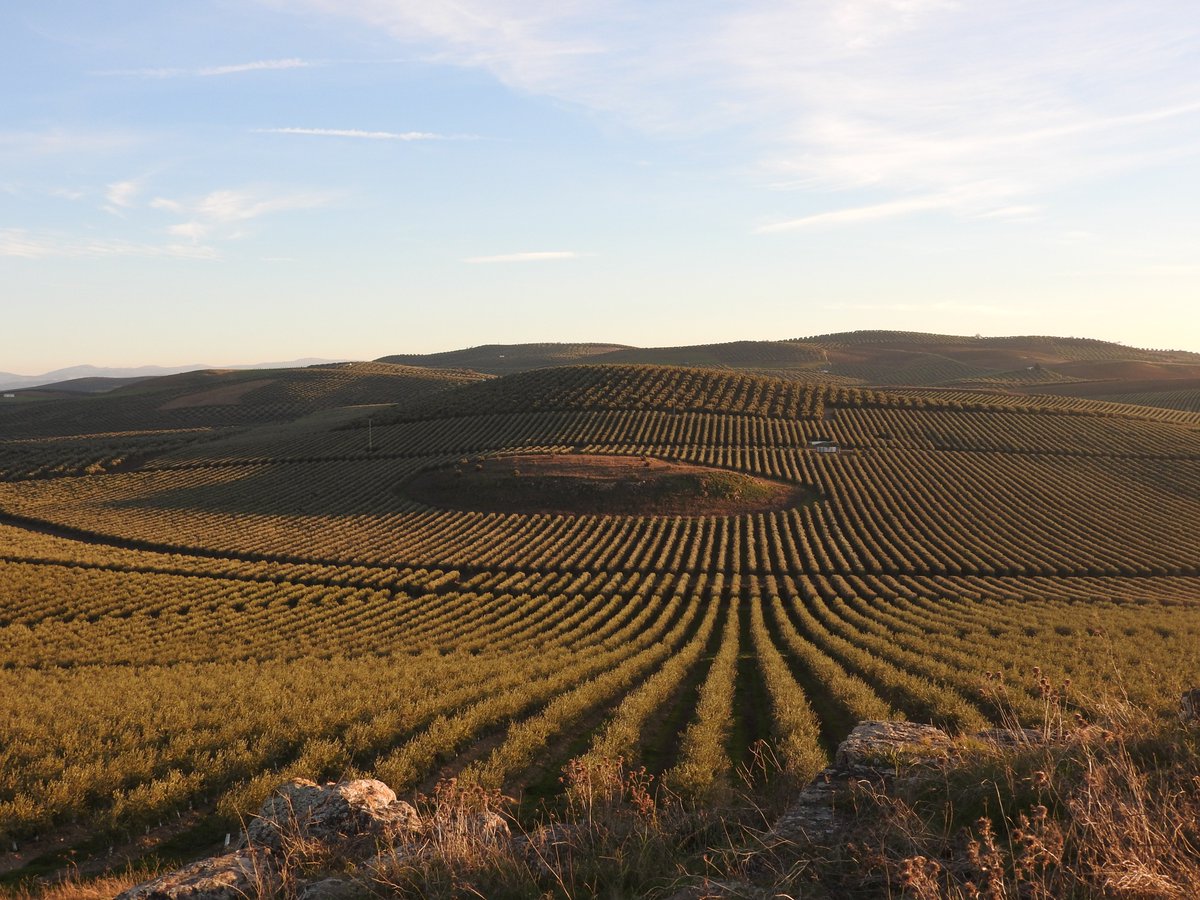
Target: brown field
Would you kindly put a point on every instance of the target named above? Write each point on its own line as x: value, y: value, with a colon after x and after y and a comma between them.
x: 582, y: 484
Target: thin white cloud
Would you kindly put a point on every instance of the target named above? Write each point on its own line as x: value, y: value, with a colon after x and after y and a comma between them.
x: 240, y: 205
x: 901, y: 97
x: 193, y: 231
x: 217, y: 214
x: 122, y: 193
x: 976, y: 201
x: 17, y: 242
x: 365, y: 135
x: 1016, y: 212
x: 533, y: 256
x: 259, y: 65
x: 859, y: 214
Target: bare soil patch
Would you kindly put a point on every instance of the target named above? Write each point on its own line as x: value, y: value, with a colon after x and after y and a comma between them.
x: 584, y: 484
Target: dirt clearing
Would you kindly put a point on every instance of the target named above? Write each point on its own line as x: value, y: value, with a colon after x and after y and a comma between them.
x: 583, y: 484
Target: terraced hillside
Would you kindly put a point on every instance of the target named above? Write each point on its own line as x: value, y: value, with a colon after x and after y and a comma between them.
x: 190, y: 628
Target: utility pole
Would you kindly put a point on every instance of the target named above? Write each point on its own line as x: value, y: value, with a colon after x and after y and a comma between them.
x: 370, y: 434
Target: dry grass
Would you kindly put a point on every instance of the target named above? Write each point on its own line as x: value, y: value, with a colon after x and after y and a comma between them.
x: 75, y: 887
x: 617, y: 834
x: 1107, y: 808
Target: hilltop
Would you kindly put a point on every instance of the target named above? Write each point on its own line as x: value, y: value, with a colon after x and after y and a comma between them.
x: 503, y: 359
x: 1072, y: 367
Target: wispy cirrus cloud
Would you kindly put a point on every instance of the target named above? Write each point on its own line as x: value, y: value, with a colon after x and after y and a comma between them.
x: 259, y: 65
x: 529, y: 256
x: 122, y: 194
x: 905, y: 98
x: 859, y: 214
x: 365, y: 135
x: 231, y: 205
x: 215, y: 214
x: 24, y: 244
x: 975, y: 201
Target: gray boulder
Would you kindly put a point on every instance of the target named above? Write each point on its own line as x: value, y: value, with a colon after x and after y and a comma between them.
x: 1189, y: 706
x: 881, y: 748
x: 875, y: 752
x: 235, y: 876
x: 308, y: 818
x: 816, y: 815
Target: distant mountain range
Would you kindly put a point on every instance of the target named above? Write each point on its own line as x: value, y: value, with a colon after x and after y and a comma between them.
x: 98, y: 379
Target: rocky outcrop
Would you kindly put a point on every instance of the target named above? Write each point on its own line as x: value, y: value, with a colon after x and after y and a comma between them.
x: 234, y: 876
x: 304, y: 826
x: 301, y: 822
x: 875, y: 752
x: 875, y: 749
x: 336, y: 819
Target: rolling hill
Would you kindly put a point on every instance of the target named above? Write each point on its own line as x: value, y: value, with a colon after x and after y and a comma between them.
x: 1072, y: 367
x: 223, y: 397
x: 503, y: 359
x: 212, y: 582
x: 91, y: 379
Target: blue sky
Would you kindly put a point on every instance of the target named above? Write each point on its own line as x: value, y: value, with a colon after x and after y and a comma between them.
x: 230, y: 181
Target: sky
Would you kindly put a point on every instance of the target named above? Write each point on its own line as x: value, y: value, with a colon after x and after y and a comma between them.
x: 232, y: 181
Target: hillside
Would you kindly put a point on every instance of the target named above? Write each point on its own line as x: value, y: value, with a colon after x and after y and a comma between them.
x: 924, y: 537
x: 97, y: 376
x: 73, y: 434
x: 1073, y: 367
x: 85, y: 385
x: 222, y: 397
x: 503, y: 359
